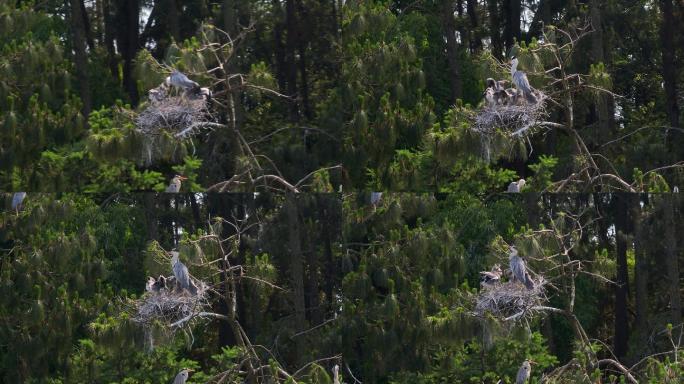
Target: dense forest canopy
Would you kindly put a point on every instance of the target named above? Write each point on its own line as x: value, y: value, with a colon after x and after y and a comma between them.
x: 276, y: 263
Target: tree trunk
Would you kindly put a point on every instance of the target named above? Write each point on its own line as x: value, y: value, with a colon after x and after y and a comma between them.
x: 641, y: 271
x: 542, y: 18
x: 303, y: 31
x: 671, y: 257
x: 601, y: 108
x: 667, y: 35
x: 495, y: 28
x: 80, y: 55
x: 86, y: 26
x: 512, y: 28
x: 449, y: 27
x: 127, y: 39
x: 621, y: 330
x: 475, y: 41
x: 172, y: 20
x: 290, y: 56
x: 296, y: 270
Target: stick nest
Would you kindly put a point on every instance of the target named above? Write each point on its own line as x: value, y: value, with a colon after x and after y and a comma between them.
x: 172, y: 307
x: 178, y: 116
x: 514, y: 119
x: 511, y: 300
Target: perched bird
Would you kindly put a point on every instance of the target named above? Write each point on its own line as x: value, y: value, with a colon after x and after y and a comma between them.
x: 524, y: 372
x: 336, y: 374
x: 375, y: 198
x: 199, y: 93
x: 519, y: 268
x: 149, y: 287
x: 156, y: 95
x: 490, y: 99
x: 18, y: 200
x: 516, y: 187
x: 491, y: 277
x: 182, y: 376
x: 675, y: 189
x: 155, y: 285
x: 511, y: 96
x: 180, y: 81
x: 182, y: 275
x: 175, y: 185
x: 520, y: 81
x: 499, y: 88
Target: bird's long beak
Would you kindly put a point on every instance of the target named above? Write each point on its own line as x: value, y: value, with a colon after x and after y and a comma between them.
x: 533, y: 362
x: 182, y: 177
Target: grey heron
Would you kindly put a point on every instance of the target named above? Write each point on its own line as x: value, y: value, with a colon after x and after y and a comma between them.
x: 519, y: 268
x: 491, y: 277
x: 182, y: 376
x: 175, y: 185
x: 511, y: 96
x: 675, y: 189
x: 375, y: 198
x: 336, y: 374
x: 182, y: 275
x: 520, y: 81
x: 155, y: 285
x: 499, y: 88
x: 18, y: 200
x: 490, y: 98
x: 516, y: 186
x: 524, y: 372
x: 179, y: 80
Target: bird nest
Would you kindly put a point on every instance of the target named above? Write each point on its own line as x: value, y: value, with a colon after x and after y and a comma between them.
x: 171, y: 308
x: 511, y: 300
x: 178, y: 116
x: 514, y: 119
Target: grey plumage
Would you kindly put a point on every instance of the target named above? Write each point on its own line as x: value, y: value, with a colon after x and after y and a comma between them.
x: 519, y: 268
x: 179, y: 80
x: 520, y: 81
x: 182, y: 376
x: 336, y: 374
x: 156, y: 95
x: 375, y: 198
x: 18, y: 200
x: 489, y: 97
x: 523, y: 373
x: 182, y: 274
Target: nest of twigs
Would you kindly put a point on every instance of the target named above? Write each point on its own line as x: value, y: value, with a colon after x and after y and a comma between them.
x: 511, y: 300
x: 178, y: 116
x: 500, y: 122
x: 171, y: 308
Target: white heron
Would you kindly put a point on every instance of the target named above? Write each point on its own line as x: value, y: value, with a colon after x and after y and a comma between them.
x: 520, y: 81
x: 492, y: 277
x: 516, y: 186
x: 524, y: 372
x: 182, y: 376
x: 519, y: 268
x: 175, y: 185
x: 18, y: 200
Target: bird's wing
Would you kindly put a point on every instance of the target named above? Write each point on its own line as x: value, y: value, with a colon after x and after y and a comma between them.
x: 520, y: 79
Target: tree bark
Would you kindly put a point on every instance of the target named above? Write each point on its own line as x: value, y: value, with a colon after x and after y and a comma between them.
x: 671, y: 257
x: 641, y: 272
x: 667, y: 35
x: 296, y: 269
x: 291, y: 57
x: 475, y: 40
x: 452, y: 48
x: 512, y: 28
x: 495, y: 28
x: 602, y: 107
x: 80, y: 54
x: 302, y: 42
x: 127, y: 39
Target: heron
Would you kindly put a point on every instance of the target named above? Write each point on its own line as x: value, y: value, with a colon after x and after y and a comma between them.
x: 18, y: 200
x: 490, y: 98
x: 203, y: 93
x: 175, y: 185
x: 520, y: 81
x: 155, y: 285
x: 519, y: 269
x: 182, y: 275
x: 157, y: 95
x: 511, y: 96
x: 516, y: 186
x: 499, y: 88
x: 336, y: 374
x: 375, y: 198
x: 179, y: 80
x: 675, y: 189
x: 524, y: 372
x: 491, y: 277
x: 182, y: 376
